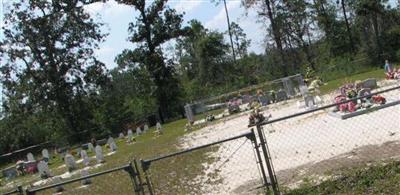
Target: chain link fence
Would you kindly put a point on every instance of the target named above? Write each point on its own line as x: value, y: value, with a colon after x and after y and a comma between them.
x: 315, y: 145
x: 120, y: 180
x: 223, y: 167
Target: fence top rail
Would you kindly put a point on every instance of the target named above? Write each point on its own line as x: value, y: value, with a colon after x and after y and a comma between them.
x: 79, y: 179
x: 247, y: 134
x: 11, y: 192
x: 322, y: 107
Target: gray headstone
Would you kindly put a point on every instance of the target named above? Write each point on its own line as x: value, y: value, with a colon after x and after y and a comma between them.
x: 288, y: 85
x: 246, y: 99
x: 90, y: 147
x: 264, y: 100
x: 43, y: 169
x: 102, y: 142
x: 121, y: 135
x: 370, y: 83
x: 281, y: 95
x: 146, y: 128
x: 70, y: 162
x: 188, y: 112
x: 112, y: 144
x: 99, y: 154
x: 10, y: 173
x: 309, y: 101
x: 84, y: 173
x: 85, y: 157
x: 45, y: 154
x: 138, y: 131
x: 30, y: 157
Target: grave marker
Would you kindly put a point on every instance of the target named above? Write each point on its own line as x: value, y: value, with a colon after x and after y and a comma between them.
x: 85, y: 158
x: 90, y: 147
x: 370, y: 83
x: 46, y: 156
x: 30, y: 157
x: 99, y: 154
x: 70, y: 162
x: 84, y: 173
x: 130, y: 135
x: 112, y: 144
x: 43, y: 170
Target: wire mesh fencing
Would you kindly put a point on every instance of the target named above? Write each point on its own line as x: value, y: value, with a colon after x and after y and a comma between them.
x: 224, y: 167
x: 315, y: 145
x: 120, y: 180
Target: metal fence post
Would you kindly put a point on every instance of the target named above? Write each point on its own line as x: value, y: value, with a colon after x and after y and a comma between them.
x: 145, y: 167
x: 132, y: 175
x: 268, y: 161
x: 135, y: 167
x: 20, y: 190
x: 260, y: 161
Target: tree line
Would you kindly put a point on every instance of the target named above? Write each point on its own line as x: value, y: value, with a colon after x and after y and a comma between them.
x: 54, y: 86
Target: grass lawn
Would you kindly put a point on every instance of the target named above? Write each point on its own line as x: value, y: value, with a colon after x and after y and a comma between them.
x: 335, y: 84
x: 146, y: 146
x: 379, y: 179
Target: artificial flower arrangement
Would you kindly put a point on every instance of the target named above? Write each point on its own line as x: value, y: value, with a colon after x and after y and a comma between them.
x: 255, y: 117
x: 350, y: 91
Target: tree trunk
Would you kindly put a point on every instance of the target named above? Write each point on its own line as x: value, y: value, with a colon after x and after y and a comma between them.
x: 230, y: 32
x: 348, y: 26
x: 277, y: 37
x: 376, y: 32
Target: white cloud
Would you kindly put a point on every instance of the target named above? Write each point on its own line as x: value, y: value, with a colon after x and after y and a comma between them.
x: 219, y: 20
x: 110, y: 9
x: 187, y: 5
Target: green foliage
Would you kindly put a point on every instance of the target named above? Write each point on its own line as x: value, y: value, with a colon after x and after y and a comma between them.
x: 155, y: 25
x: 378, y: 179
x: 48, y: 70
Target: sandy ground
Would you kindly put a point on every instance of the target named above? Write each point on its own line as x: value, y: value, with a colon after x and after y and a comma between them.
x: 304, y: 146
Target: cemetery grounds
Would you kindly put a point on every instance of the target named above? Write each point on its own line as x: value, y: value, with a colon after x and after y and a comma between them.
x: 295, y: 164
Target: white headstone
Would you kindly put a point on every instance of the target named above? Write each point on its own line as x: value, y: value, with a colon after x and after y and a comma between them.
x: 112, y: 144
x: 99, y: 154
x: 121, y: 135
x: 303, y: 90
x: 138, y: 131
x: 130, y: 135
x: 146, y: 128
x: 159, y: 127
x: 43, y: 169
x: 70, y: 162
x: 45, y: 154
x: 30, y: 157
x: 85, y: 158
x: 85, y: 172
x: 90, y: 147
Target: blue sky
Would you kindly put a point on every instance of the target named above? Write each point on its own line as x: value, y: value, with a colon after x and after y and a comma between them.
x: 117, y: 18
